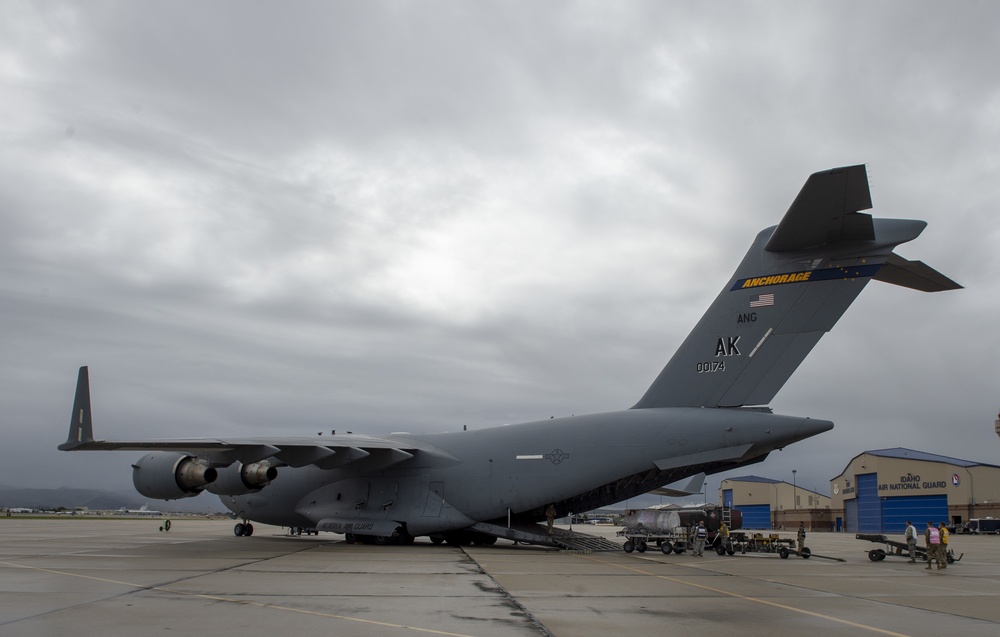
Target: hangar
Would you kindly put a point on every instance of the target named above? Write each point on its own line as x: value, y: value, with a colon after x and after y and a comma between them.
x: 771, y: 504
x: 879, y: 490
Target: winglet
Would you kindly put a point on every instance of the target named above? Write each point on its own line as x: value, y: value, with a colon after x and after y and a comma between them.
x: 81, y: 426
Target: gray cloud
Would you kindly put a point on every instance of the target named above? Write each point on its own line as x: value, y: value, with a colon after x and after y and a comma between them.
x: 254, y: 219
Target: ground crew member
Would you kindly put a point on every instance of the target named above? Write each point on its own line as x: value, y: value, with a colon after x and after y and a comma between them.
x: 801, y: 537
x: 911, y: 541
x: 724, y: 534
x: 933, y: 538
x: 700, y: 535
x: 943, y: 557
x: 550, y: 516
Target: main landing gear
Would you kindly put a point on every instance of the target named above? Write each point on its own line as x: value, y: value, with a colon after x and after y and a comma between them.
x: 243, y: 529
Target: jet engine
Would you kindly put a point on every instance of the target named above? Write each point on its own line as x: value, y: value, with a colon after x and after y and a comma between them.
x: 239, y: 478
x: 164, y: 475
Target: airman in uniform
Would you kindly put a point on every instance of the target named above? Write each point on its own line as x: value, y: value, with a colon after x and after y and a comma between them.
x: 933, y: 538
x: 911, y: 541
x: 943, y: 547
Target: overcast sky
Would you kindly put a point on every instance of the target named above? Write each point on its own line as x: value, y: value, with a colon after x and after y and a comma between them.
x: 282, y: 218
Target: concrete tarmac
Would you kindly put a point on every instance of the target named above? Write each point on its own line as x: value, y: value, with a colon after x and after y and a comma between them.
x: 125, y: 577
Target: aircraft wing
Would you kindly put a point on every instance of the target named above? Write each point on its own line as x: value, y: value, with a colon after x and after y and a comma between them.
x: 326, y: 452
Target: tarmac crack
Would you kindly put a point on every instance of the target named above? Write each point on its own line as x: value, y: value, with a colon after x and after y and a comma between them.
x: 508, y: 598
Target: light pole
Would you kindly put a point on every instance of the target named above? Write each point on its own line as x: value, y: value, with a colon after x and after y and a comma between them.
x: 795, y: 495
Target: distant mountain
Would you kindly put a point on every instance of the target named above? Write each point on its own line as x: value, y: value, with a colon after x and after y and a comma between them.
x: 97, y: 499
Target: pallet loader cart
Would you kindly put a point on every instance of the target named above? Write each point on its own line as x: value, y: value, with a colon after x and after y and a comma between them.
x: 898, y: 549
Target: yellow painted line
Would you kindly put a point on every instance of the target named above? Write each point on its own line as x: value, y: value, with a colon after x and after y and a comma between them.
x: 751, y: 599
x: 244, y: 602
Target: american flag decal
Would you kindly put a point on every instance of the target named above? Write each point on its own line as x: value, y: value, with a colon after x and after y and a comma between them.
x: 761, y: 300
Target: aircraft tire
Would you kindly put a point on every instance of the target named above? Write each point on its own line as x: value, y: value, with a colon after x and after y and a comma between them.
x: 436, y: 540
x: 247, y: 530
x: 238, y: 529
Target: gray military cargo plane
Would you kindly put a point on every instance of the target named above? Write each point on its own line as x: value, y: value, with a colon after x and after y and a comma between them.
x: 706, y: 412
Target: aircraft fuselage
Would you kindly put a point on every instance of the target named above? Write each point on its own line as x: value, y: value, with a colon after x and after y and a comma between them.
x: 455, y: 479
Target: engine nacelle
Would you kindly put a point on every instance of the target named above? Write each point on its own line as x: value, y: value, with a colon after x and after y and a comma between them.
x: 239, y: 478
x: 165, y: 475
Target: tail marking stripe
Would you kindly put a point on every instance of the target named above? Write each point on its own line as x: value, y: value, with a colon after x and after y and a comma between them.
x: 828, y: 274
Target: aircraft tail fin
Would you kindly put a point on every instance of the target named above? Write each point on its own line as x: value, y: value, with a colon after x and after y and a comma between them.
x: 81, y: 425
x: 794, y: 284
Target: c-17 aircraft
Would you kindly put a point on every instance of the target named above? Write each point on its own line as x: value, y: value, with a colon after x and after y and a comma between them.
x: 706, y: 412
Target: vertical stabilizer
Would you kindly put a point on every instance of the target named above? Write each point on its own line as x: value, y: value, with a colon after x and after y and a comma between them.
x: 794, y: 284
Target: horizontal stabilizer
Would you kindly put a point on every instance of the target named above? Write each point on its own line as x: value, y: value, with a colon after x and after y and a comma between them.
x: 826, y: 211
x: 916, y: 275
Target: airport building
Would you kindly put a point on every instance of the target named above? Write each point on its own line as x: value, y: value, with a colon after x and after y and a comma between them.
x: 879, y: 490
x: 773, y: 504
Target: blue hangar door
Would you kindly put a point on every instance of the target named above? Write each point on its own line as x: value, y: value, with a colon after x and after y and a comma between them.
x: 917, y: 508
x: 869, y: 504
x: 755, y: 516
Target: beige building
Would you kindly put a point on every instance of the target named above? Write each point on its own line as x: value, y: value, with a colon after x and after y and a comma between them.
x: 773, y: 504
x: 879, y: 490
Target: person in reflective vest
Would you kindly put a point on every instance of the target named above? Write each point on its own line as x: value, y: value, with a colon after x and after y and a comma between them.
x: 700, y: 534
x: 933, y: 538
